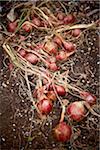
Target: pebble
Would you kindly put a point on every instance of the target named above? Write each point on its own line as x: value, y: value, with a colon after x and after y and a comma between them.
x: 14, y: 137
x: 83, y: 81
x: 12, y: 91
x: 14, y: 125
x: 47, y: 123
x: 84, y: 137
x: 4, y: 85
x: 3, y: 139
x: 17, y: 83
x: 7, y: 82
x: 88, y: 82
x: 14, y: 129
x: 30, y: 119
x: 53, y: 145
x: 98, y: 62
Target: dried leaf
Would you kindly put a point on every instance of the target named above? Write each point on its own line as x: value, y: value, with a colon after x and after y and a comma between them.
x: 11, y: 15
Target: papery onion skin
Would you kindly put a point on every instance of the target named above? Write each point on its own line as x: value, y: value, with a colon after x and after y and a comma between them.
x: 51, y: 95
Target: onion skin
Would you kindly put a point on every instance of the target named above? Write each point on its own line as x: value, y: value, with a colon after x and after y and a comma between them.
x: 45, y: 106
x: 51, y: 95
x: 62, y: 132
x: 88, y: 97
x: 76, y: 110
x: 12, y: 26
x: 60, y: 90
x: 31, y: 58
x: 27, y: 27
x: 76, y: 32
x: 51, y: 47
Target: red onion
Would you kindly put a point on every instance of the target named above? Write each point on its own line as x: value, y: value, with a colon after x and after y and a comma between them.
x: 31, y: 58
x: 62, y: 132
x: 53, y: 67
x: 61, y: 55
x: 76, y: 110
x: 45, y: 106
x: 69, y: 19
x: 76, y: 32
x: 27, y: 27
x: 88, y: 97
x: 12, y: 26
x: 22, y: 52
x: 60, y: 90
x: 68, y: 46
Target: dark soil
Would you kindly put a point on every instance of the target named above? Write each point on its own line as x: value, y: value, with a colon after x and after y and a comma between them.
x: 21, y: 129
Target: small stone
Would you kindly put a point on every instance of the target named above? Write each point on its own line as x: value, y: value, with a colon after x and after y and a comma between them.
x: 7, y: 82
x: 89, y: 49
x: 4, y: 85
x: 14, y: 137
x: 98, y: 62
x: 23, y: 101
x: 3, y: 139
x: 53, y: 145
x: 12, y: 91
x: 84, y: 137
x: 17, y: 83
x: 47, y: 123
x: 14, y: 129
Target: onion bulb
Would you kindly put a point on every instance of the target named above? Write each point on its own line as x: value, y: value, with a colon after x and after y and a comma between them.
x: 62, y: 132
x: 76, y: 110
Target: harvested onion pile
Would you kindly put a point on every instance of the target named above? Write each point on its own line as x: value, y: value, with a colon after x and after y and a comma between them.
x: 39, y: 44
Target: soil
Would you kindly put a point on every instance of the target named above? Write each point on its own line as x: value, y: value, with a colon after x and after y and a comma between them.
x: 20, y: 127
